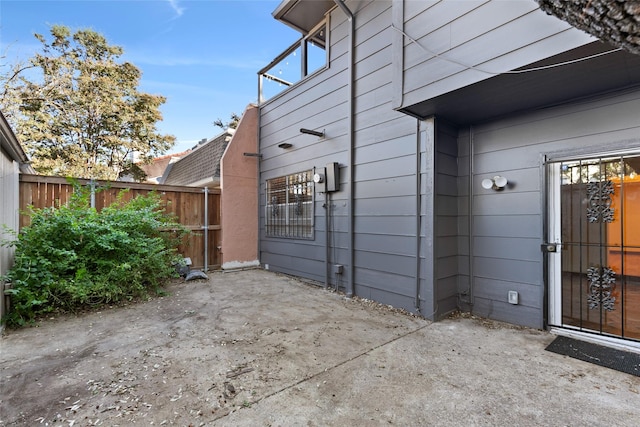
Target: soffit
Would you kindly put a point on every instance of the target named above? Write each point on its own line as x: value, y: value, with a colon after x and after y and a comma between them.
x: 302, y: 15
x: 508, y: 94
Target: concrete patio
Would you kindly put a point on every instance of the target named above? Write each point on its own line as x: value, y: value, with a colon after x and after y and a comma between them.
x: 255, y: 348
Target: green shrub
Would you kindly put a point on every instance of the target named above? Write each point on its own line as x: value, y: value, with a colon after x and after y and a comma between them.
x: 73, y: 257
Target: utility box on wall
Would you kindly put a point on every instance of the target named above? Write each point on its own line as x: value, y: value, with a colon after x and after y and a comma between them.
x: 332, y: 177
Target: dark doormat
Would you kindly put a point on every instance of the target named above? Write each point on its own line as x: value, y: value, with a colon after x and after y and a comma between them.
x: 620, y: 360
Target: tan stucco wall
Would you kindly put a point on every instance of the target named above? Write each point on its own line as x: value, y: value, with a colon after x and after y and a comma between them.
x: 239, y: 184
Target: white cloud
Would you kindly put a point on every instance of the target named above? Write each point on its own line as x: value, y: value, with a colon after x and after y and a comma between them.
x: 176, y: 8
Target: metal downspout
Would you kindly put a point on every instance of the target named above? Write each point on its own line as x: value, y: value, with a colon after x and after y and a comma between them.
x: 258, y: 169
x: 418, y: 218
x: 258, y: 176
x: 327, y: 206
x: 471, y: 228
x: 206, y: 229
x: 352, y: 28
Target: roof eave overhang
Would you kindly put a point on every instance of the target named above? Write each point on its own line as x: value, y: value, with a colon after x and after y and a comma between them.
x: 212, y: 181
x: 509, y: 94
x: 10, y: 142
x: 302, y: 15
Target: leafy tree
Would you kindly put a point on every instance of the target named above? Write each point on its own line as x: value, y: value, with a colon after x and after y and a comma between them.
x: 80, y: 112
x: 231, y: 124
x: 9, y: 98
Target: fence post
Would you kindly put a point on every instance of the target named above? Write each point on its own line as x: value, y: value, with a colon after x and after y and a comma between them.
x: 206, y: 229
x: 92, y: 185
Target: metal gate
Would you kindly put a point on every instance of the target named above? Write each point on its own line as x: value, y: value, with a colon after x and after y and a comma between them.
x: 595, y: 244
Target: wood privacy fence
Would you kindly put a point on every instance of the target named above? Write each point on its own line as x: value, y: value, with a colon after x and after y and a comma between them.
x: 197, y: 209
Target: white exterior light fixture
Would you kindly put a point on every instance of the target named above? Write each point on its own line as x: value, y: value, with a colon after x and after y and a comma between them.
x: 497, y: 183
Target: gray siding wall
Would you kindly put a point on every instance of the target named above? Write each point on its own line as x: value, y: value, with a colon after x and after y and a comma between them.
x: 446, y: 218
x: 319, y: 102
x: 385, y: 168
x: 9, y: 182
x: 475, y: 39
x: 507, y: 225
x: 418, y: 203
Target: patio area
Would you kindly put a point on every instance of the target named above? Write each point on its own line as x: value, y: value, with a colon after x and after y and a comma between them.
x: 255, y: 348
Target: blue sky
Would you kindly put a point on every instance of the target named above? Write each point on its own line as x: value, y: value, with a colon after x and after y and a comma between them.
x: 202, y: 55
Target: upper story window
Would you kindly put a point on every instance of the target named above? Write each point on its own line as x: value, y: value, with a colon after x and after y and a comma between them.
x: 301, y: 59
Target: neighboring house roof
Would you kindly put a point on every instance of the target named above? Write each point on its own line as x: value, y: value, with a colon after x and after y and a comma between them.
x: 201, y: 167
x: 615, y: 22
x: 155, y: 169
x: 10, y: 144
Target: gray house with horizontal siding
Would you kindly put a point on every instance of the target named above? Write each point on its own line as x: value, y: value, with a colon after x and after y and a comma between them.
x: 440, y: 155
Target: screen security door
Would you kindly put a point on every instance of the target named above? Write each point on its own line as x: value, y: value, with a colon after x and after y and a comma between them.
x: 594, y: 245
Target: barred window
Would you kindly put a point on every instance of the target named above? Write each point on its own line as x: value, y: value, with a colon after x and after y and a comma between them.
x: 289, y: 207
